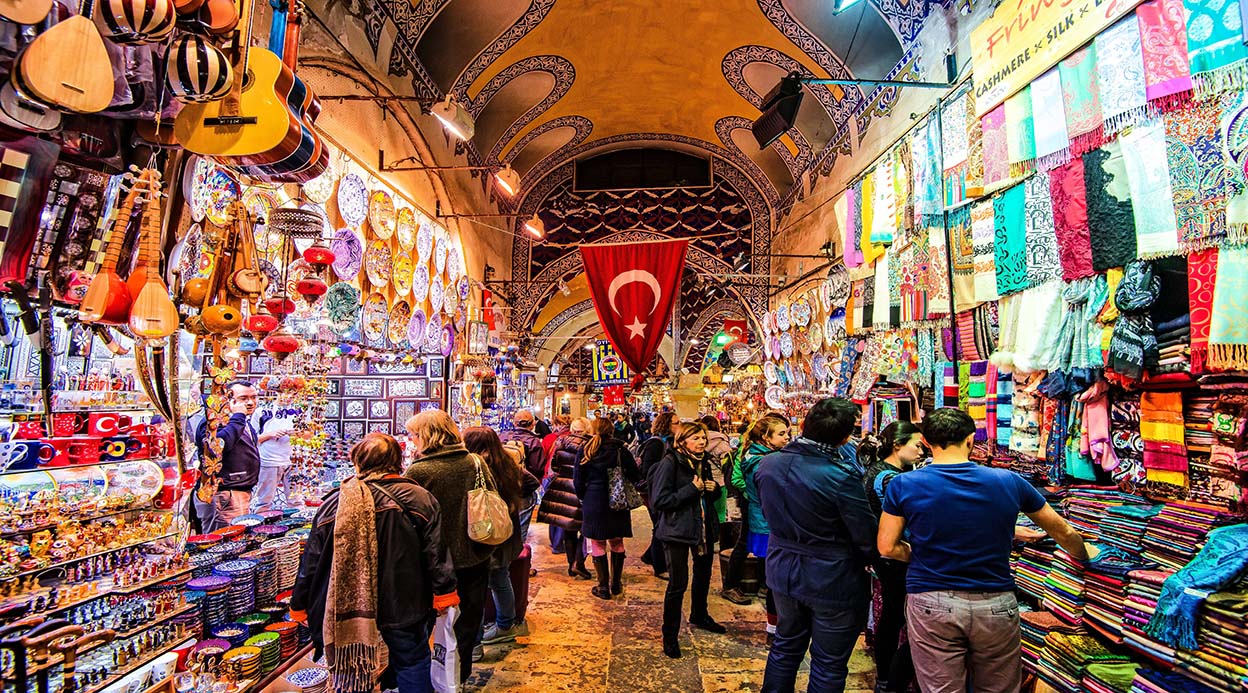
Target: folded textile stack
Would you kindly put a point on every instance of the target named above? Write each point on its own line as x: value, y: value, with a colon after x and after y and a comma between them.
x: 1105, y: 592
x: 1123, y: 526
x: 1085, y: 507
x: 1143, y: 590
x: 1153, y: 681
x: 1032, y: 567
x: 1063, y: 588
x: 1066, y: 657
x: 1197, y: 431
x: 1173, y: 345
x: 1222, y: 660
x: 1110, y: 677
x: 1176, y: 533
x: 1034, y: 627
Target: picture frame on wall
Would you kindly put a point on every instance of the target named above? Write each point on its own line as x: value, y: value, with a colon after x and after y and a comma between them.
x: 379, y: 427
x: 404, y: 409
x: 363, y: 387
x: 415, y: 388
x: 356, y: 367
x: 379, y: 409
x: 437, y: 367
x: 352, y: 430
x: 333, y: 387
x: 332, y: 409
x: 436, y: 390
x: 478, y: 338
x: 355, y: 408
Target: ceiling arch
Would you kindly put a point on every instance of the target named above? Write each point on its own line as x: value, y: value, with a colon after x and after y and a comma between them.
x: 579, y: 126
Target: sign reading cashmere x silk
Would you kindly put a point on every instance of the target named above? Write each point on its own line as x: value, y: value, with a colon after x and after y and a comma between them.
x: 1024, y: 38
x: 633, y: 286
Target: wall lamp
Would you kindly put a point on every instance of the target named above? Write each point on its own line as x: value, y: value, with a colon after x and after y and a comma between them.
x: 507, y: 179
x: 534, y: 224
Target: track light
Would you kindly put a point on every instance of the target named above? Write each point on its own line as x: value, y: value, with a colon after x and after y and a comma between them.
x: 841, y: 5
x: 455, y: 118
x: 563, y: 288
x: 508, y: 180
x: 779, y: 109
x: 535, y: 226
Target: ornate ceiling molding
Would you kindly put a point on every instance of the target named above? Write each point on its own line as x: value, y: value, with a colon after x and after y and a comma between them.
x: 537, y: 11
x: 582, y: 126
x: 810, y: 44
x: 724, y: 127
x: 564, y: 74
x: 550, y: 329
x: 733, y: 66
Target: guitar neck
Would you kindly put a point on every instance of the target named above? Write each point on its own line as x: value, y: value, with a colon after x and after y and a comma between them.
x: 278, y: 26
x: 113, y: 251
x: 294, y: 24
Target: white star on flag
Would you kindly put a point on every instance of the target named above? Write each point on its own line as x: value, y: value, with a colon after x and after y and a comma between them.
x: 637, y: 329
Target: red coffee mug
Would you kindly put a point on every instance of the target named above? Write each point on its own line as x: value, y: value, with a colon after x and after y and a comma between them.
x: 107, y: 423
x: 84, y: 450
x: 67, y: 424
x: 139, y: 447
x: 60, y: 457
x: 28, y: 430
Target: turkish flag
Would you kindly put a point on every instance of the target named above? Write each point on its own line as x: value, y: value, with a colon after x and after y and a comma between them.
x: 613, y: 395
x: 633, y: 286
x: 737, y: 329
x: 487, y: 308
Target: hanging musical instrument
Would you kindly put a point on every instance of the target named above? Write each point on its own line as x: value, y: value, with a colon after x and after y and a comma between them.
x: 24, y: 113
x: 153, y: 315
x: 108, y: 299
x: 25, y: 11
x: 68, y: 66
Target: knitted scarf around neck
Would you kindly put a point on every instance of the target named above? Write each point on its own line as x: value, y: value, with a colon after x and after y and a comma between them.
x: 354, y: 649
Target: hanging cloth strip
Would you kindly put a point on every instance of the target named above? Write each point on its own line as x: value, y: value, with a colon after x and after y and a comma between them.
x: 983, y: 231
x: 1152, y: 201
x: 1049, y: 121
x: 1040, y: 320
x: 938, y: 299
x: 974, y: 149
x: 904, y: 204
x: 1044, y: 262
x: 1199, y: 178
x: 927, y: 170
x: 854, y: 309
x: 956, y: 148
x: 1010, y: 240
x: 1164, y: 39
x: 843, y: 209
x: 977, y: 397
x: 1120, y: 74
x: 880, y: 308
x: 853, y: 239
x: 1070, y: 219
x: 963, y: 257
x: 1133, y: 347
x: 1228, y: 327
x: 1005, y: 407
x: 870, y: 253
x: 1202, y: 270
x: 1008, y: 315
x: 1081, y: 95
x: 1235, y: 155
x: 868, y: 304
x: 884, y: 211
x: 1078, y: 463
x: 1020, y: 133
x: 996, y: 147
x: 1111, y: 224
x: 1215, y: 47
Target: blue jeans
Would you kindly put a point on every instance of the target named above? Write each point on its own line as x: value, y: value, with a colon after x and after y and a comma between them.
x: 504, y: 597
x: 830, y: 633
x: 409, y: 656
x: 526, y: 518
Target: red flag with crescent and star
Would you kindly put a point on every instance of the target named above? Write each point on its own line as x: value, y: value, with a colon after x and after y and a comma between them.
x: 633, y: 286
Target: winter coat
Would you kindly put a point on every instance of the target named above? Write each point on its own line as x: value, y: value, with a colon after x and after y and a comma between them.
x: 560, y: 506
x: 749, y: 465
x: 412, y: 562
x: 685, y: 515
x: 449, y: 474
x: 593, y: 486
x: 718, y: 446
x: 534, y: 456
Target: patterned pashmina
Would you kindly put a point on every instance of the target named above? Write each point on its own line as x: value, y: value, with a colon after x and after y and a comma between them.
x: 1070, y: 219
x: 870, y: 253
x: 1005, y: 407
x: 964, y: 381
x: 983, y: 230
x: 904, y: 217
x: 1049, y: 121
x: 353, y: 646
x: 1220, y: 564
x: 1215, y: 47
x: 967, y: 349
x: 925, y: 347
x: 956, y: 148
x: 977, y: 397
x: 926, y: 155
x: 1010, y: 240
x: 1044, y: 263
x: 849, y: 359
x: 853, y: 249
x: 1120, y: 74
x: 963, y: 259
x: 1133, y: 347
x: 1199, y: 179
x: 1111, y: 225
x: 939, y: 303
x: 1081, y: 95
x: 974, y: 149
x: 1235, y: 155
x: 1020, y: 133
x: 1008, y: 310
x: 854, y: 308
x: 1202, y: 268
x: 996, y: 146
x: 879, y: 309
x: 843, y: 208
x: 1039, y: 323
x: 1124, y: 417
x: 1152, y: 201
x: 1228, y: 327
x: 1164, y: 40
x: 868, y: 303
x: 947, y: 391
x: 884, y: 214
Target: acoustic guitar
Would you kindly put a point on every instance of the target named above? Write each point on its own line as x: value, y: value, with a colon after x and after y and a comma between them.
x: 153, y: 315
x: 67, y: 66
x: 19, y: 111
x: 108, y: 300
x: 25, y: 11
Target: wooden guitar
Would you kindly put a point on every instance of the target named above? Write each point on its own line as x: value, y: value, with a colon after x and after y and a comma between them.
x: 108, y: 299
x: 153, y: 315
x: 21, y: 112
x: 68, y: 66
x: 25, y: 11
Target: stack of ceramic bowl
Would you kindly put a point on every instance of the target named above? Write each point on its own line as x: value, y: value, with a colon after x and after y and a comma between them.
x: 243, y: 585
x: 228, y: 549
x: 266, y: 572
x: 249, y: 521
x: 287, y: 552
x: 215, y: 603
x: 235, y: 633
x: 271, y: 516
x: 202, y: 542
x: 310, y: 680
x: 208, y: 654
x: 270, y: 645
x: 288, y: 632
x: 241, y: 664
x: 255, y: 622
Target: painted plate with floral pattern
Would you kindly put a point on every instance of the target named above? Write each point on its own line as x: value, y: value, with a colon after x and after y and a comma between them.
x: 348, y: 253
x: 767, y: 351
x: 440, y: 252
x: 405, y: 227
x: 819, y: 365
x: 448, y: 340
x: 212, y: 191
x: 321, y: 188
x: 259, y: 202
x: 774, y: 397
x: 424, y: 241
x: 403, y: 274
x: 373, y: 319
x: 342, y: 305
x: 433, y: 335
x: 815, y: 335
x: 400, y: 316
x: 800, y: 312
x: 786, y: 344
x: 435, y: 295
x: 455, y: 261
x: 420, y: 283
x: 782, y: 318
x: 416, y: 329
x: 352, y: 199
x: 381, y: 214
x: 378, y: 264
x: 769, y: 371
x: 450, y: 300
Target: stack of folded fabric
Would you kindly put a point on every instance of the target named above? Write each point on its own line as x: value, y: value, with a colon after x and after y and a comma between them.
x: 1034, y: 627
x: 1105, y: 592
x: 1222, y: 660
x: 1123, y: 526
x: 1032, y: 567
x: 1174, y: 341
x: 1066, y: 657
x: 1063, y: 588
x: 1154, y: 681
x: 1143, y: 590
x: 1086, y: 506
x: 1176, y: 533
x: 1197, y: 412
x: 1110, y: 677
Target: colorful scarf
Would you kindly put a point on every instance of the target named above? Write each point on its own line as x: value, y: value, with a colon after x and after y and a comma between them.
x: 1010, y: 240
x: 996, y: 146
x: 1228, y: 326
x: 884, y: 214
x: 1199, y: 178
x: 925, y: 349
x: 927, y: 169
x: 853, y: 250
x: 870, y: 253
x: 1020, y: 134
x: 1161, y: 428
x: 1152, y: 201
x: 849, y: 359
x: 353, y: 646
x: 1235, y: 155
x: 938, y: 299
x: 856, y: 307
x: 843, y: 208
x: 983, y: 229
x: 1164, y: 39
x: 1124, y: 416
x: 1221, y: 563
x: 977, y: 397
x: 1120, y: 74
x: 1133, y: 346
x: 1070, y: 219
x: 1008, y: 315
x: 1215, y: 47
x: 974, y: 149
x: 956, y: 148
x: 1049, y: 121
x: 879, y: 309
x: 963, y: 257
x: 1202, y: 269
x: 1044, y: 262
x: 1005, y: 407
x: 1081, y: 95
x: 904, y: 204
x: 1111, y: 224
x: 1040, y: 318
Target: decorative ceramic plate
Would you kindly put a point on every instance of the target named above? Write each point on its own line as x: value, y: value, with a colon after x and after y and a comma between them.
x: 774, y: 397
x: 190, y: 262
x: 769, y: 372
x: 348, y: 253
x: 259, y: 202
x: 416, y: 329
x: 381, y: 214
x: 455, y: 261
x: 143, y: 478
x: 378, y: 264
x: 400, y: 316
x: 819, y: 364
x: 373, y: 319
x: 405, y: 227
x: 424, y: 241
x: 815, y: 336
x: 403, y: 274
x: 352, y: 199
x: 767, y: 350
x: 786, y: 344
x: 800, y: 312
x: 433, y: 335
x: 342, y: 304
x: 775, y: 347
x: 440, y: 252
x: 465, y: 288
x: 461, y: 322
x: 834, y: 328
x: 790, y: 376
x: 212, y: 191
x: 435, y: 295
x: 321, y: 188
x: 782, y: 318
x: 769, y: 323
x: 450, y: 299
x: 825, y: 294
x: 448, y: 340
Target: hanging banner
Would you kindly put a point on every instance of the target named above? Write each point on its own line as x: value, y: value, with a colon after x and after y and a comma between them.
x: 613, y: 396
x: 634, y: 286
x: 609, y: 368
x: 738, y: 330
x: 1025, y: 38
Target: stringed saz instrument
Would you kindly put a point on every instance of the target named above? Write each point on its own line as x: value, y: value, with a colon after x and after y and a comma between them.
x: 67, y: 66
x: 108, y: 299
x: 25, y: 11
x: 153, y: 315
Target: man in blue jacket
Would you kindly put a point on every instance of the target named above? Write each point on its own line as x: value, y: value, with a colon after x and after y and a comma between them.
x: 822, y: 540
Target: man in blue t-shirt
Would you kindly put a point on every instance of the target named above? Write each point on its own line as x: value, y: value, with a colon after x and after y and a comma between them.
x: 961, y: 610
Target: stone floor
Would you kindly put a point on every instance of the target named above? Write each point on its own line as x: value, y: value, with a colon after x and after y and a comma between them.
x: 580, y: 643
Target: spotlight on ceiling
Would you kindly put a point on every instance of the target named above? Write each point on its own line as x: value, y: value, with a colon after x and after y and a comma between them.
x: 455, y: 118
x: 841, y: 5
x: 589, y: 347
x: 508, y: 180
x: 563, y: 288
x: 779, y: 110
x: 535, y: 226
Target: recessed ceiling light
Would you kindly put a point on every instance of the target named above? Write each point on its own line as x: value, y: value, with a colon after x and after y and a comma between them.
x: 535, y: 226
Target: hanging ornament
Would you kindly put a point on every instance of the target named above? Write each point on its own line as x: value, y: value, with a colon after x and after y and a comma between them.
x: 319, y: 256
x: 260, y: 322
x: 280, y: 306
x: 280, y: 344
x: 311, y: 288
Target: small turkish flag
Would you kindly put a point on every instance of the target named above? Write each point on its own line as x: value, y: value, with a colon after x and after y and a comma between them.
x: 738, y: 330
x: 487, y: 308
x: 613, y: 395
x: 634, y: 286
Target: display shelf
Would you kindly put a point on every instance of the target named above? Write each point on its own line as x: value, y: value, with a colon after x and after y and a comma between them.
x: 130, y: 667
x: 121, y: 637
x: 278, y: 672
x: 82, y: 409
x: 100, y: 592
x: 88, y: 518
x: 71, y: 561
x: 102, y: 463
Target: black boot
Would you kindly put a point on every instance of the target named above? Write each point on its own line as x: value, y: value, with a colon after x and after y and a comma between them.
x: 617, y: 572
x: 603, y: 589
x: 576, y: 561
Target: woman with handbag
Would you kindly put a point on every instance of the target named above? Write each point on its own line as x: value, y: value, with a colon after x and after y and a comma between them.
x: 449, y: 472
x: 683, y: 491
x: 605, y: 469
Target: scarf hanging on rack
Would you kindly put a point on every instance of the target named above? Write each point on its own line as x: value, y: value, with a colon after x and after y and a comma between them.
x: 996, y: 146
x: 1152, y: 201
x: 849, y: 359
x: 926, y: 355
x: 870, y: 252
x: 1215, y: 47
x: 1220, y: 564
x: 1010, y: 240
x: 938, y: 299
x: 1025, y: 421
x: 853, y: 251
x: 1163, y: 35
x: 956, y: 148
x: 1073, y: 336
x: 1049, y: 121
x: 904, y: 214
x: 1202, y: 270
x: 894, y: 289
x: 963, y: 257
x: 1070, y: 219
x: 926, y: 156
x: 977, y: 397
x: 974, y: 149
x: 1044, y: 263
x: 879, y: 309
x: 947, y: 393
x: 1008, y: 317
x: 964, y: 380
x: 1005, y: 407
x: 983, y: 232
x: 1040, y: 319
x: 1228, y: 326
x: 856, y: 306
x: 884, y: 211
x: 1111, y: 225
x: 843, y: 208
x: 1199, y: 177
x: 1082, y: 97
x: 1133, y: 347
x: 1020, y: 135
x: 1093, y: 356
x: 1078, y: 463
x: 1234, y: 129
x: 865, y: 375
x: 1057, y: 421
x: 1124, y: 417
x: 991, y: 418
x: 1120, y: 74
x: 921, y: 258
x: 967, y: 349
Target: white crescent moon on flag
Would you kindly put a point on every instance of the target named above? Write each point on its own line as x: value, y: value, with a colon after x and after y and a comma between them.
x: 629, y: 277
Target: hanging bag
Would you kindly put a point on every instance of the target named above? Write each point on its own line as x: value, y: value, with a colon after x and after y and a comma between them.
x: 622, y: 494
x: 444, y: 657
x: 489, y: 521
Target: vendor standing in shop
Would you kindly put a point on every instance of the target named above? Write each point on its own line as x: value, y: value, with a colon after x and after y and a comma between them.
x: 274, y: 428
x: 240, y: 460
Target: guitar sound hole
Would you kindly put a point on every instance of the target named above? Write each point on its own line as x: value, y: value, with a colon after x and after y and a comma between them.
x: 248, y: 76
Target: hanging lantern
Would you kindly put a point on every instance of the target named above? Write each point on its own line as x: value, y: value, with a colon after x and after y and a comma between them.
x: 280, y: 306
x: 281, y: 344
x: 319, y: 256
x: 311, y: 288
x: 133, y: 22
x: 260, y: 323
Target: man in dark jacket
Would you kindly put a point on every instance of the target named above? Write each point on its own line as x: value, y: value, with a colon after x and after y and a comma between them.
x: 534, y: 455
x: 822, y: 540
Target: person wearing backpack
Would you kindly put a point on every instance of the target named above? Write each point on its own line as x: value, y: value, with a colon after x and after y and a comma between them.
x: 603, y: 526
x: 769, y: 434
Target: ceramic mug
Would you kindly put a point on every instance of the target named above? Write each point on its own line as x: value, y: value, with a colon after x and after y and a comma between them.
x: 107, y: 423
x: 84, y: 450
x: 28, y: 430
x: 11, y: 453
x: 25, y: 454
x: 115, y: 448
x: 67, y: 424
x: 61, y: 446
x: 139, y: 447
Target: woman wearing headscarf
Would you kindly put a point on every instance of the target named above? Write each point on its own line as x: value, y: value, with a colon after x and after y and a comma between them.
x: 374, y: 570
x: 560, y: 506
x: 602, y: 525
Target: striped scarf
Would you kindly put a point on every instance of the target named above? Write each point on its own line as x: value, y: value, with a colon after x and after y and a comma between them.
x: 353, y: 646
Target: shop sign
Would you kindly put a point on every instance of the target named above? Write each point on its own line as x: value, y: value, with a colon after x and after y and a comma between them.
x: 609, y: 368
x: 1025, y: 38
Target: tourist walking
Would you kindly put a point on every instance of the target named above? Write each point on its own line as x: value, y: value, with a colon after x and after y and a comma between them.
x: 560, y: 506
x: 603, y: 526
x: 768, y: 434
x: 651, y: 451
